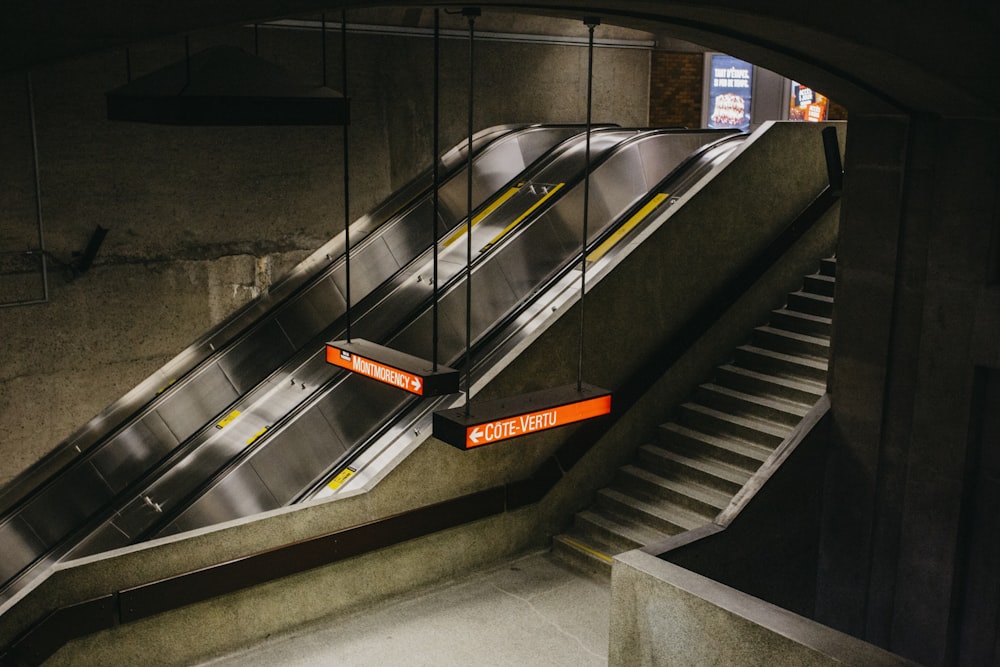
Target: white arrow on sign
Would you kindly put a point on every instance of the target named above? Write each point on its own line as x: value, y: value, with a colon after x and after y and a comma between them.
x: 475, y: 435
x: 416, y: 385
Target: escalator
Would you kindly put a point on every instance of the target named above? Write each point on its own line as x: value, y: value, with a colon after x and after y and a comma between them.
x: 311, y: 420
x: 260, y: 420
x: 50, y: 510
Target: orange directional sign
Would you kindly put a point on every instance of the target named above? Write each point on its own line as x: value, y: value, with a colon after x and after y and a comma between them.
x: 392, y: 367
x: 531, y: 413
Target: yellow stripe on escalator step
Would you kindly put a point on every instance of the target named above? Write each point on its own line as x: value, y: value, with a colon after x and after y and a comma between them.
x: 497, y: 203
x: 522, y: 217
x: 620, y: 233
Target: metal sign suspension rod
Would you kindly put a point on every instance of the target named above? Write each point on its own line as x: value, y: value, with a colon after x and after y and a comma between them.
x: 38, y: 187
x: 437, y: 183
x: 471, y: 13
x: 591, y: 22
x: 322, y: 40
x: 347, y: 180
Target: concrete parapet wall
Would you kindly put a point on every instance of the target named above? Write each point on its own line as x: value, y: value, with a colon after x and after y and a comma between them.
x: 662, y: 614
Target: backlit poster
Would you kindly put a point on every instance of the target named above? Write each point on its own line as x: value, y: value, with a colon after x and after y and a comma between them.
x: 730, y: 83
x: 806, y: 104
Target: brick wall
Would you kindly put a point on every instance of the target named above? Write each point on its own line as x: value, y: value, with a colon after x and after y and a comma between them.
x: 675, y: 88
x: 675, y: 81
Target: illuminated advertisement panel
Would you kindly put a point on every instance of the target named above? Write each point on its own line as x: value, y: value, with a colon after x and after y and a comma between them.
x: 730, y: 82
x: 807, y: 105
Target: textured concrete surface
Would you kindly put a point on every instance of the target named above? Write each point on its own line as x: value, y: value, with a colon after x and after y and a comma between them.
x: 917, y: 263
x: 529, y: 611
x: 662, y: 614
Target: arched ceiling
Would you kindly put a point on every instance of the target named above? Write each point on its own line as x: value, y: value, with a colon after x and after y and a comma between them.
x: 930, y: 57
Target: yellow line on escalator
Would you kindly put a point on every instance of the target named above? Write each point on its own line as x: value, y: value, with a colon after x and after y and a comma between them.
x: 457, y: 234
x: 521, y: 217
x: 620, y: 233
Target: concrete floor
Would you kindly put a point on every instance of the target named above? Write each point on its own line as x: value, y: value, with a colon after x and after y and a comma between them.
x: 533, y: 610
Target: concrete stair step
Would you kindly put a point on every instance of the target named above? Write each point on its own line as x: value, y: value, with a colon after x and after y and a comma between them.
x: 613, y: 533
x: 761, y: 384
x: 694, y: 444
x: 702, y: 500
x: 661, y: 516
x: 819, y: 283
x: 803, y: 323
x: 725, y: 399
x: 588, y: 558
x: 702, y: 469
x: 782, y: 365
x: 764, y: 434
x: 814, y: 304
x: 790, y: 342
x: 828, y: 266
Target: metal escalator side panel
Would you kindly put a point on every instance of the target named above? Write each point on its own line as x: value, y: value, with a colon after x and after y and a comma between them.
x: 313, y: 312
x: 186, y: 412
x: 131, y: 452
x: 21, y: 547
x: 247, y: 364
x: 290, y: 461
x: 241, y: 493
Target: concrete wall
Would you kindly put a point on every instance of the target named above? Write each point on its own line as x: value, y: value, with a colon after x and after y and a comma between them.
x: 662, y: 614
x: 201, y: 220
x: 915, y: 326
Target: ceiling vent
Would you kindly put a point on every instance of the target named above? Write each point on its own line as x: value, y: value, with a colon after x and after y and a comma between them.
x: 225, y: 85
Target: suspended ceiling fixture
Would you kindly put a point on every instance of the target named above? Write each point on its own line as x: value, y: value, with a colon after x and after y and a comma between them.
x: 225, y: 85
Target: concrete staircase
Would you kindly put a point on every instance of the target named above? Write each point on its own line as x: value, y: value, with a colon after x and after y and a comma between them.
x: 718, y: 439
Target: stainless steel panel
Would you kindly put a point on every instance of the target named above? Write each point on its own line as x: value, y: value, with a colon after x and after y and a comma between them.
x: 20, y: 547
x: 661, y: 157
x: 240, y: 494
x: 105, y: 538
x: 296, y: 455
x: 133, y: 451
x: 371, y: 265
x: 249, y: 362
x: 417, y: 337
x: 320, y: 305
x: 535, y: 142
x: 66, y: 506
x: 496, y: 165
x: 521, y: 268
x: 617, y: 183
x: 564, y: 219
x: 358, y: 406
x: 208, y: 394
x: 408, y: 237
x: 133, y: 520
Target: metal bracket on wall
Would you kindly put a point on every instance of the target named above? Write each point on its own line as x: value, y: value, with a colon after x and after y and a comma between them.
x: 38, y: 252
